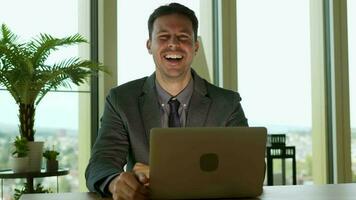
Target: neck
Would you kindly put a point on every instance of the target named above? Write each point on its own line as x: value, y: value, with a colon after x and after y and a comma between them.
x: 173, y: 86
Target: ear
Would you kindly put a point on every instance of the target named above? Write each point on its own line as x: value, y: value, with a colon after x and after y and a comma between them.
x: 148, y: 46
x: 196, y: 46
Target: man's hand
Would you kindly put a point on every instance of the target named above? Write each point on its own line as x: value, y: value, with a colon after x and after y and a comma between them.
x: 142, y: 172
x: 127, y: 186
x: 131, y: 185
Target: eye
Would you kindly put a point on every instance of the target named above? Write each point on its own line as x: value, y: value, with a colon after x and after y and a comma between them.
x: 183, y: 37
x: 163, y: 37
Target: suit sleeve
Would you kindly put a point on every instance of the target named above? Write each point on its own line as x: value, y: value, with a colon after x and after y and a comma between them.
x: 110, y: 150
x: 237, y: 118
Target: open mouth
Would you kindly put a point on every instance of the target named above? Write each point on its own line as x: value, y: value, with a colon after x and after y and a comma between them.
x: 173, y: 58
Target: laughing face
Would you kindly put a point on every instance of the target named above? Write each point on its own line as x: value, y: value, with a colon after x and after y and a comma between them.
x: 172, y: 46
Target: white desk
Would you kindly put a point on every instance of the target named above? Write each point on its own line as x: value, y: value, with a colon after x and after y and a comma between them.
x: 302, y: 192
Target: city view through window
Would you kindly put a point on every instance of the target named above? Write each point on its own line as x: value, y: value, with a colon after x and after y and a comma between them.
x: 56, y: 120
x: 276, y: 87
x: 274, y: 74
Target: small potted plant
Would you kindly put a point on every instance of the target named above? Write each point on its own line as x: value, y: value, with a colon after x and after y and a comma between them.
x: 51, y: 158
x: 19, y: 159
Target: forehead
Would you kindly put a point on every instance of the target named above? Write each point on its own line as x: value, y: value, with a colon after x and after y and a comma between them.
x: 176, y: 22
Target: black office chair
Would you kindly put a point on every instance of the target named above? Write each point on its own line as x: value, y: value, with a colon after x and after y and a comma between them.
x: 277, y: 149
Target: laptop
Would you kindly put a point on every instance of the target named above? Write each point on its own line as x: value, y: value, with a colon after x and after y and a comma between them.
x: 209, y: 162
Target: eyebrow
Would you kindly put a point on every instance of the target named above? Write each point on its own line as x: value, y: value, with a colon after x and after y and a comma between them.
x: 187, y: 31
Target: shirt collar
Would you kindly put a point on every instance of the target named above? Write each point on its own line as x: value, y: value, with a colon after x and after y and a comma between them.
x: 183, y: 97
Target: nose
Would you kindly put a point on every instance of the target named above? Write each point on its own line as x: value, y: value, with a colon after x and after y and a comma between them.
x: 173, y: 42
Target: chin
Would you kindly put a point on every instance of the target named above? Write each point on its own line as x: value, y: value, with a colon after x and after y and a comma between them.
x: 173, y: 72
x: 174, y: 75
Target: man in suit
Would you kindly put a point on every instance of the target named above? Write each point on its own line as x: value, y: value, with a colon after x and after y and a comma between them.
x: 172, y: 96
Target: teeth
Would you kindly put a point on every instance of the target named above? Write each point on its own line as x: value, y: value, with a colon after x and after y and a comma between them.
x: 174, y: 56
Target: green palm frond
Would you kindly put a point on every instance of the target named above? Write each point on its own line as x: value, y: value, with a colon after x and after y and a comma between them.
x: 17, y: 75
x: 15, y: 55
x: 45, y: 44
x: 7, y: 36
x: 12, y: 53
x: 4, y: 81
x: 68, y: 71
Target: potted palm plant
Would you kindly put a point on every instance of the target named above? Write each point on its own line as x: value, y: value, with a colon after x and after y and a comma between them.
x: 25, y: 73
x: 19, y: 159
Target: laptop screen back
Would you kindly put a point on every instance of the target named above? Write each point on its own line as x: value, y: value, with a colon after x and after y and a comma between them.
x: 214, y: 162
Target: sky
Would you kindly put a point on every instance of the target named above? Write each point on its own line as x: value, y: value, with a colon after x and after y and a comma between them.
x: 274, y: 77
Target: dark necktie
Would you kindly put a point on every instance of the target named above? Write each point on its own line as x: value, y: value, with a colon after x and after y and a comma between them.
x: 173, y: 118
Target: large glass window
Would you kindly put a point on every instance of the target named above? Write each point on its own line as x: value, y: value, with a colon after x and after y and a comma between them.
x: 274, y: 74
x: 351, y: 20
x: 134, y: 61
x: 57, y: 116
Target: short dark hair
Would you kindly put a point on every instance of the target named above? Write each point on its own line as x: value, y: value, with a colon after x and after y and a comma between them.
x: 173, y: 8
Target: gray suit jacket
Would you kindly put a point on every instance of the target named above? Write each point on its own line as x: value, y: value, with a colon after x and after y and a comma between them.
x: 132, y: 109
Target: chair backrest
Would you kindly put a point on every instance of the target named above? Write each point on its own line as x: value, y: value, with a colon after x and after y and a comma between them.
x: 277, y: 149
x: 276, y: 140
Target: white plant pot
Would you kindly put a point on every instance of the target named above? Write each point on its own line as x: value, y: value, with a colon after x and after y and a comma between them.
x: 35, y: 156
x: 19, y: 165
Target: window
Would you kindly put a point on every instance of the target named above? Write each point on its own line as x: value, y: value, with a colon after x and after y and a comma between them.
x: 351, y: 10
x: 134, y: 61
x: 57, y: 116
x: 274, y: 74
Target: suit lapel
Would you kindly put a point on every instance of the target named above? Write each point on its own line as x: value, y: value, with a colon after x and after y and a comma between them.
x: 199, y: 103
x: 149, y: 107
